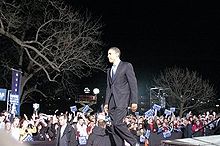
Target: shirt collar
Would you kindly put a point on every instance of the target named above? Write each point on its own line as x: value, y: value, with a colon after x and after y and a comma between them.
x: 64, y: 126
x: 116, y: 63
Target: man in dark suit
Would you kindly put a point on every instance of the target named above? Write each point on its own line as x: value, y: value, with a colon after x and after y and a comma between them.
x: 121, y: 92
x: 66, y: 135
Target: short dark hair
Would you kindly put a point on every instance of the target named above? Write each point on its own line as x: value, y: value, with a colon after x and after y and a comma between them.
x: 63, y: 115
x: 116, y: 49
x: 79, y: 118
x: 101, y: 123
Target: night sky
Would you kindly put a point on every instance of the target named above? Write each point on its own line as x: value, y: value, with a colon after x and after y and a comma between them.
x: 153, y: 35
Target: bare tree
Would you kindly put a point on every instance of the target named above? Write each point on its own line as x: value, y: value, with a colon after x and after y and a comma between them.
x: 51, y: 38
x: 187, y: 90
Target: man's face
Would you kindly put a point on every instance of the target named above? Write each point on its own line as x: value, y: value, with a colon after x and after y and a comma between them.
x: 16, y: 122
x: 81, y: 121
x: 112, y: 55
x: 7, y: 126
x: 62, y: 120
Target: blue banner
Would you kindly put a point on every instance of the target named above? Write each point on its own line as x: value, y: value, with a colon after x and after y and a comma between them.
x: 147, y: 134
x: 172, y: 109
x: 3, y: 93
x: 73, y: 108
x: 142, y: 139
x: 156, y: 107
x: 136, y: 113
x: 149, y: 113
x: 15, y: 92
x: 85, y: 109
x: 166, y: 134
x: 16, y: 80
x: 167, y: 112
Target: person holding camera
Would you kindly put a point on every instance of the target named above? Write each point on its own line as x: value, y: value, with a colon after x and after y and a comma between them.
x: 26, y: 130
x: 42, y: 129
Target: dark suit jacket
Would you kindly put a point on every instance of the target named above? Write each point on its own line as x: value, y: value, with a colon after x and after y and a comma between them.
x: 123, y: 87
x: 68, y: 138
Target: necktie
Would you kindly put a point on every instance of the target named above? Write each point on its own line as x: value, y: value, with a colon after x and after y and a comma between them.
x: 113, y: 71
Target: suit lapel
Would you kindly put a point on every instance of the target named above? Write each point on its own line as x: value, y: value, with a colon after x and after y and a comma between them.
x: 109, y: 75
x: 58, y: 133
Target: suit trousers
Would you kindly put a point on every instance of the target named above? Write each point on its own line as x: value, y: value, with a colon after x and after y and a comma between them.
x: 119, y: 129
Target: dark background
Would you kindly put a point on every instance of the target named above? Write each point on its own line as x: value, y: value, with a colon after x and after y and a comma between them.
x: 153, y: 35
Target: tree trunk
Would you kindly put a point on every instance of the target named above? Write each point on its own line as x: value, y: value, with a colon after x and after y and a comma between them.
x: 181, y: 109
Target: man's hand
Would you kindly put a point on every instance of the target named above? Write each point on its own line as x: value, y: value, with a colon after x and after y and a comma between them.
x: 106, y: 108
x: 134, y: 107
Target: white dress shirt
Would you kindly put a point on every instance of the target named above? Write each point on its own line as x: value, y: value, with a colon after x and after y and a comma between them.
x: 62, y: 129
x: 114, y: 67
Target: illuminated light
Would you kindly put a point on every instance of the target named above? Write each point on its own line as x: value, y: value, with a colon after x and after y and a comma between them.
x: 96, y: 91
x: 86, y: 90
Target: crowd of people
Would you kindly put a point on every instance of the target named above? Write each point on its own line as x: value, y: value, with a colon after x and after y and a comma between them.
x: 43, y: 127
x: 114, y: 126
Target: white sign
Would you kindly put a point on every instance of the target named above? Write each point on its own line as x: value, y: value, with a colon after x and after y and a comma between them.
x: 14, y: 99
x: 36, y: 106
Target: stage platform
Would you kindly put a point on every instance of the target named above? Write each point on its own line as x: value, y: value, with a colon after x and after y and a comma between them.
x: 195, y: 141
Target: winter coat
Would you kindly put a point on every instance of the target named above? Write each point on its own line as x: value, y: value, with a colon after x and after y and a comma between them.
x: 99, y: 137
